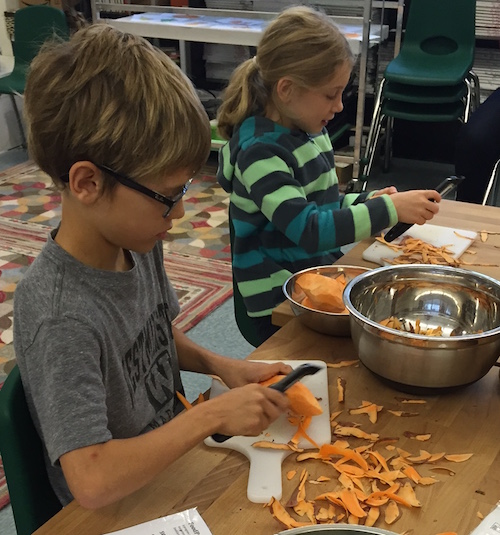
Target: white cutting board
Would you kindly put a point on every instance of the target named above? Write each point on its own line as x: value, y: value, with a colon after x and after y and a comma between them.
x: 432, y: 234
x: 264, y: 478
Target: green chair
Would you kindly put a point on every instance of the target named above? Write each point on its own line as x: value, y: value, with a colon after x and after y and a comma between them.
x: 431, y: 78
x: 32, y: 27
x: 438, y: 45
x: 31, y: 495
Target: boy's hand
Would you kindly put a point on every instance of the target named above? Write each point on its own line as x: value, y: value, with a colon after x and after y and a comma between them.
x: 241, y: 372
x: 386, y: 191
x: 416, y: 206
x: 247, y: 410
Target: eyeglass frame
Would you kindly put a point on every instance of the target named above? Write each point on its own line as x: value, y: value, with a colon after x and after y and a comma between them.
x: 128, y: 182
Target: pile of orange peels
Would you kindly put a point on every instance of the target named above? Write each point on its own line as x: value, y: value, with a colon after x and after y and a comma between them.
x: 394, y: 323
x: 415, y: 251
x: 367, y: 485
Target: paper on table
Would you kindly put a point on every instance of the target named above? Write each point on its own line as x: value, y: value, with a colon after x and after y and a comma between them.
x: 491, y: 524
x: 188, y: 522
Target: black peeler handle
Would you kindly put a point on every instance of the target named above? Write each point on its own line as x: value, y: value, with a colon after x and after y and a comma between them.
x: 281, y: 386
x: 445, y: 187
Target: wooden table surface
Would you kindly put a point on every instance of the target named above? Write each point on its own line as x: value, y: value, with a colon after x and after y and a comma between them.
x: 463, y: 421
x: 214, y: 480
x: 452, y: 214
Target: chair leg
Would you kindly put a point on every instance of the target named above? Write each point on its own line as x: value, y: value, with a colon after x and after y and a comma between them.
x: 368, y: 156
x: 19, y: 122
x: 477, y: 89
x: 492, y: 185
x: 468, y: 100
x: 388, y: 144
x: 376, y: 135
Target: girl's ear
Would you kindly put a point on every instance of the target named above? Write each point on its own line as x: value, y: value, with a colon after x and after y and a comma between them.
x: 285, y: 89
x: 85, y: 181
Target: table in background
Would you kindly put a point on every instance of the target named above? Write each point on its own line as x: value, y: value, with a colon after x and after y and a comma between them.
x: 211, y: 26
x: 214, y: 480
x: 453, y: 214
x: 216, y: 26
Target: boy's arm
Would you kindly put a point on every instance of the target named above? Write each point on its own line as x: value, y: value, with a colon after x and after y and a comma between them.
x: 101, y: 474
x: 233, y: 372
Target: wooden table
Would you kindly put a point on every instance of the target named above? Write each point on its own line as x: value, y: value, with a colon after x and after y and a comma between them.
x: 464, y: 421
x: 215, y: 480
x: 452, y: 214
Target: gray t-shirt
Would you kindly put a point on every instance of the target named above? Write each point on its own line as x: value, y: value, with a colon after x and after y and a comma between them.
x: 95, y: 351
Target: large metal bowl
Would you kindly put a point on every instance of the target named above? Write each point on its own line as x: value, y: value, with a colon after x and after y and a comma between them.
x: 464, y: 303
x: 336, y: 529
x: 335, y: 324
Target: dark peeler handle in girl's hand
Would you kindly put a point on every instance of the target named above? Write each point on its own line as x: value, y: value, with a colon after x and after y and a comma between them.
x: 447, y: 186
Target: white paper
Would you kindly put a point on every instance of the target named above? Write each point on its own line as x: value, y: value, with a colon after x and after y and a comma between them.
x: 491, y: 524
x: 187, y: 522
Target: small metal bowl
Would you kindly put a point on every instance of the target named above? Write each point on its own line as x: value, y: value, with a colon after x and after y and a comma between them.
x: 465, y: 304
x: 335, y: 324
x: 336, y: 529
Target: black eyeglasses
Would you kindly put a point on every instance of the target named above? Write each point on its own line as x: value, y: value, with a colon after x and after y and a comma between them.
x: 169, y: 202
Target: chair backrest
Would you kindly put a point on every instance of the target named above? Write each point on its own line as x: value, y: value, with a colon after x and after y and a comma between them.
x: 245, y: 325
x: 32, y: 497
x: 442, y: 27
x: 33, y: 26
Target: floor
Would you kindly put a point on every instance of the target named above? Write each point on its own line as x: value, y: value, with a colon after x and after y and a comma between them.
x: 218, y: 331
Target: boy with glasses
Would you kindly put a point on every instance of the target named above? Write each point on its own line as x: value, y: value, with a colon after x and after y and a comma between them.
x: 120, y: 130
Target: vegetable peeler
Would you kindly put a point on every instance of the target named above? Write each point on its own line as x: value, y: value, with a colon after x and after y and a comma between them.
x: 281, y: 386
x: 447, y: 186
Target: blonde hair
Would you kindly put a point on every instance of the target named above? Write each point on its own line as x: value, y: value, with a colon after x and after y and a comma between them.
x: 302, y: 44
x: 114, y: 99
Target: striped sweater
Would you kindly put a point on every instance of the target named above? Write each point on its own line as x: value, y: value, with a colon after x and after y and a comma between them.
x: 286, y: 210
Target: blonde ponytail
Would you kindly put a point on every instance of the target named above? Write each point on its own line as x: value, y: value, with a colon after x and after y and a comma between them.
x: 245, y: 95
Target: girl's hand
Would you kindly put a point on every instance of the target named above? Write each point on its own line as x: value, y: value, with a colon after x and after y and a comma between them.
x: 241, y: 372
x: 386, y: 191
x: 247, y: 410
x: 416, y: 206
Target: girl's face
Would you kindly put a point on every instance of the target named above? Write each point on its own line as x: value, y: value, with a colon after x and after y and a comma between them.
x: 310, y: 110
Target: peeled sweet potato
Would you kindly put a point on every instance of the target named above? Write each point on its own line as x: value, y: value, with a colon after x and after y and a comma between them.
x: 322, y: 293
x: 301, y: 399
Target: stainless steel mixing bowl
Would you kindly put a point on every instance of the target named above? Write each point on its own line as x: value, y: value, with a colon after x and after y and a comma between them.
x: 464, y: 303
x: 317, y: 320
x: 336, y: 529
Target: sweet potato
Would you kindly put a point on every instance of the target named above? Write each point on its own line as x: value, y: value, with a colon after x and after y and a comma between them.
x: 324, y: 293
x: 301, y: 399
x: 391, y: 513
x: 183, y: 400
x: 458, y: 458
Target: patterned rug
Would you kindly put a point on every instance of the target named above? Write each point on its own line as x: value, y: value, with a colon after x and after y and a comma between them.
x: 197, y: 251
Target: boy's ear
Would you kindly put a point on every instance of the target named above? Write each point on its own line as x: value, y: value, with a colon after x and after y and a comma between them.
x: 284, y: 89
x: 85, y: 181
